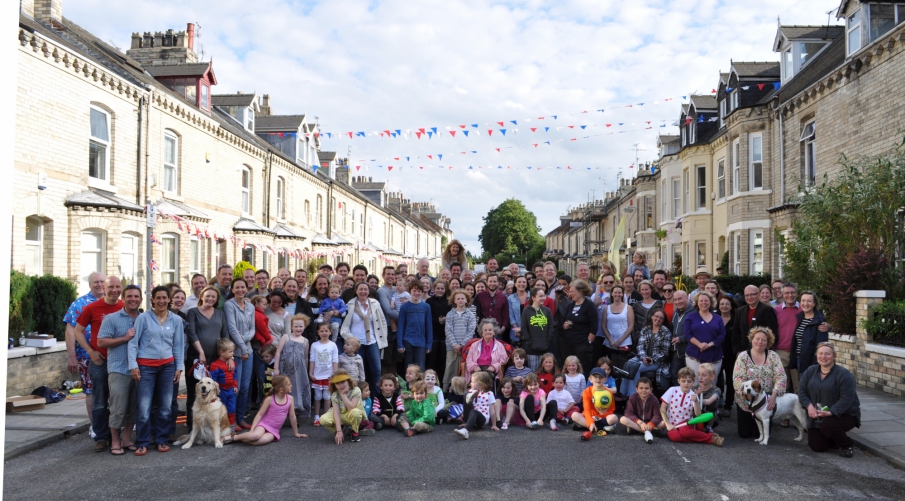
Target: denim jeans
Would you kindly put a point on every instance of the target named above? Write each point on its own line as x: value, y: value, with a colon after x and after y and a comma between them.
x: 243, y: 377
x: 370, y: 355
x: 628, y: 387
x: 155, y: 387
x: 414, y: 355
x: 258, y: 370
x: 100, y: 413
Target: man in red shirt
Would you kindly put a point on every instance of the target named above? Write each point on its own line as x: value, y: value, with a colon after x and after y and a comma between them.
x: 93, y: 315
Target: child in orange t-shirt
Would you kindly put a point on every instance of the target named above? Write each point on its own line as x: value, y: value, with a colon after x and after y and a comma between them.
x: 598, y: 407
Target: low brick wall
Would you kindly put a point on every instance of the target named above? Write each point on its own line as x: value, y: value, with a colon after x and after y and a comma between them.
x: 29, y: 368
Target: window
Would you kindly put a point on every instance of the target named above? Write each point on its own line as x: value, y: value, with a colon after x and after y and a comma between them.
x: 676, y: 197
x: 93, y: 254
x: 757, y: 252
x: 205, y: 96
x: 701, y: 187
x: 34, y: 246
x: 353, y: 221
x: 691, y: 128
x: 810, y: 162
x: 170, y: 162
x: 734, y: 97
x: 853, y: 29
x: 683, y: 136
x: 882, y: 19
x: 756, y: 159
x: 99, y: 145
x: 686, y: 259
x: 736, y: 170
x: 788, y: 69
x: 701, y: 253
x: 664, y: 196
x: 308, y: 213
x: 807, y: 51
x: 283, y: 260
x: 265, y: 260
x: 246, y: 191
x: 169, y: 258
x: 721, y: 178
x: 345, y: 216
x: 722, y: 111
x: 320, y: 212
x: 300, y: 153
x: 194, y: 255
x: 332, y: 204
x: 687, y: 191
x: 250, y: 119
x: 737, y: 255
x: 215, y: 256
x: 649, y: 212
x: 128, y: 259
x: 248, y: 254
x: 280, y: 189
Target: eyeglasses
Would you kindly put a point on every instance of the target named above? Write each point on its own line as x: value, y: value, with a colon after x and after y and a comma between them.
x: 669, y: 290
x: 609, y: 283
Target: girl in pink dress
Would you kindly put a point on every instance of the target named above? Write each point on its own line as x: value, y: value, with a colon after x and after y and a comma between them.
x: 267, y: 424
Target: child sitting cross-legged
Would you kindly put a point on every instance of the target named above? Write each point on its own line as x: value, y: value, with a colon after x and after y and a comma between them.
x: 642, y: 413
x: 348, y: 409
x: 565, y: 404
x: 598, y: 407
x: 434, y: 393
x: 533, y: 405
x: 507, y: 404
x: 387, y: 407
x: 680, y: 404
x: 420, y: 416
x: 518, y: 370
x: 456, y: 397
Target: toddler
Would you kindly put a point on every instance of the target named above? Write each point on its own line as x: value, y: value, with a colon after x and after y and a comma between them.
x: 420, y: 415
x: 262, y: 323
x: 334, y: 304
x: 598, y: 407
x: 507, y: 403
x: 400, y: 297
x: 434, y: 393
x: 565, y: 404
x: 225, y: 377
x: 369, y: 425
x: 348, y: 410
x: 575, y: 380
x: 388, y: 404
x: 324, y: 363
x: 268, y: 355
x: 478, y: 404
x: 709, y: 395
x: 412, y: 375
x: 266, y: 426
x: 679, y: 404
x: 533, y: 405
x: 518, y: 370
x: 545, y: 371
x: 642, y: 413
x: 350, y: 361
x: 456, y: 397
x: 639, y: 262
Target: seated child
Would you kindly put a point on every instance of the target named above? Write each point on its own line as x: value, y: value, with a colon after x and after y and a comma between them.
x: 565, y: 404
x: 388, y: 404
x: 679, y: 404
x: 456, y: 397
x: 507, y: 404
x: 533, y: 405
x: 610, y: 383
x: 369, y: 425
x: 412, y: 376
x: 350, y: 361
x: 399, y: 298
x: 709, y: 395
x: 420, y: 416
x: 225, y: 377
x: 266, y: 426
x: 546, y: 370
x: 268, y: 354
x: 335, y: 304
x: 642, y: 413
x: 518, y: 370
x: 599, y: 407
x: 478, y: 405
x: 348, y: 410
x: 434, y: 393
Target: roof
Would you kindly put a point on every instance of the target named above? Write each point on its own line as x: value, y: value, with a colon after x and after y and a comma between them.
x: 319, y: 239
x: 279, y: 123
x: 796, y: 32
x: 282, y: 231
x: 172, y: 207
x: 326, y: 156
x: 822, y: 65
x: 178, y: 70
x: 668, y: 139
x: 769, y: 69
x: 233, y: 99
x: 375, y: 247
x: 100, y: 198
x: 339, y: 239
x: 702, y: 102
x: 244, y: 224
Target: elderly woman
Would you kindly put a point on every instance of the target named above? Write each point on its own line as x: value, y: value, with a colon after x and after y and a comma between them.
x: 757, y: 364
x: 579, y: 324
x: 240, y: 320
x: 366, y: 322
x: 487, y: 354
x: 704, y: 333
x: 828, y: 392
x: 653, y: 352
x: 156, y: 354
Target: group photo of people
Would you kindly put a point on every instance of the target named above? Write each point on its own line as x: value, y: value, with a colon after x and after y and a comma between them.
x: 358, y: 354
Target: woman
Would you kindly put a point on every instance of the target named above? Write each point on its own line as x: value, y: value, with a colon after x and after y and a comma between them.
x: 291, y: 290
x: 365, y: 321
x: 348, y: 283
x: 579, y: 326
x: 653, y: 352
x: 713, y: 287
x: 318, y: 291
x: 480, y: 286
x: 240, y: 318
x: 454, y: 252
x: 275, y: 283
x: 205, y: 326
x: 277, y: 316
x: 765, y: 293
x: 373, y: 283
x: 542, y: 285
x: 488, y: 354
x: 617, y: 321
x: 470, y: 290
x: 516, y: 301
x: 705, y: 333
x: 643, y: 308
x: 439, y: 305
x: 454, y: 284
x: 726, y: 308
x: 757, y: 364
x: 831, y: 387
x: 155, y: 360
x: 177, y: 302
x: 531, y: 278
x: 301, y: 276
x: 537, y: 330
x: 669, y: 300
x: 807, y: 336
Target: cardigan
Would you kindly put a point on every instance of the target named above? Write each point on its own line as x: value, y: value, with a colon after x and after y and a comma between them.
x: 705, y: 332
x: 809, y: 341
x: 241, y: 325
x: 771, y: 375
x: 837, y: 391
x: 498, y: 357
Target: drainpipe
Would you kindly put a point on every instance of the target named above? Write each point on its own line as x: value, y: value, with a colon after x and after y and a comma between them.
x: 141, y: 107
x: 782, y: 153
x: 268, y: 169
x: 329, y: 201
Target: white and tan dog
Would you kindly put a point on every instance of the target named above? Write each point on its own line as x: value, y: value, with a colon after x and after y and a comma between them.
x: 209, y: 420
x: 787, y: 407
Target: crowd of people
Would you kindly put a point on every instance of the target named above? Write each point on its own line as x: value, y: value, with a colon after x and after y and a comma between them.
x: 356, y: 353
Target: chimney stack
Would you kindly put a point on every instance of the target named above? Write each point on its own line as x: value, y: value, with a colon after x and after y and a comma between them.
x: 46, y: 10
x: 265, y: 106
x: 161, y: 47
x: 190, y: 35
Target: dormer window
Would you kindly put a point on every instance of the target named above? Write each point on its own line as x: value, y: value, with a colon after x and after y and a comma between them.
x: 191, y: 81
x: 871, y: 22
x: 734, y: 100
x: 250, y: 119
x: 797, y: 54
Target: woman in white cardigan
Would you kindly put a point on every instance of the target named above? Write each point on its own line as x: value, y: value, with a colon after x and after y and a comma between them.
x: 365, y: 321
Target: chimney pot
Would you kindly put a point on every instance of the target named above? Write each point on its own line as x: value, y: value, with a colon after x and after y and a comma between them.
x: 190, y: 35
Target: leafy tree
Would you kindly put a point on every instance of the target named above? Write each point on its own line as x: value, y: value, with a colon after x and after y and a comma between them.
x: 510, y: 230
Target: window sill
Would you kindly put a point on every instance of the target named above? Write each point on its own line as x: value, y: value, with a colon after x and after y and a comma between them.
x: 749, y: 193
x: 721, y: 201
x: 172, y: 196
x: 101, y: 184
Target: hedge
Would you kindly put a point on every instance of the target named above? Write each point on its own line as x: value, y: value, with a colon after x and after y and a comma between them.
x: 39, y: 304
x: 21, y: 312
x: 733, y: 284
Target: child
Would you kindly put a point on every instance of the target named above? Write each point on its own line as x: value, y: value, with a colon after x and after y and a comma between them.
x: 434, y: 393
x: 518, y: 370
x: 348, y: 410
x: 708, y: 394
x: 533, y: 405
x: 399, y: 298
x: 478, y: 404
x: 639, y: 262
x: 324, y: 363
x: 350, y: 361
x: 506, y: 404
x: 412, y: 375
x: 546, y: 371
x: 337, y: 306
x: 575, y: 380
x: 607, y: 366
x: 370, y: 424
x: 420, y: 415
x: 415, y: 335
x: 456, y: 396
x: 388, y: 404
x: 268, y: 355
x: 565, y: 404
x: 262, y: 323
x: 641, y: 412
x: 225, y: 377
x: 460, y: 327
x: 598, y: 407
x: 292, y: 361
x: 679, y: 404
x: 266, y: 426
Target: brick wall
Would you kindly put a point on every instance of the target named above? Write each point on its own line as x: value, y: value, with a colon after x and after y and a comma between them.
x: 25, y: 373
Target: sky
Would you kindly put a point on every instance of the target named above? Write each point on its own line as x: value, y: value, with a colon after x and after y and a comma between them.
x: 371, y: 66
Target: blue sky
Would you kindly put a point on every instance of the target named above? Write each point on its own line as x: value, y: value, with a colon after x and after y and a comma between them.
x: 371, y: 66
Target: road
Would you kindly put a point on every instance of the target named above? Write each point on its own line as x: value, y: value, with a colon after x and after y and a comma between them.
x: 523, y: 464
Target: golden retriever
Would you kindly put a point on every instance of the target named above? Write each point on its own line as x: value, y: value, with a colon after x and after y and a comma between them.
x: 209, y: 420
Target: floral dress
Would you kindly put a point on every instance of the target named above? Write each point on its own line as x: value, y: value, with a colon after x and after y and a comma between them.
x: 771, y: 375
x: 294, y: 365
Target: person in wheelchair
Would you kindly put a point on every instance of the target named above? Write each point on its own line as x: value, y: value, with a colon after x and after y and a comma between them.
x: 652, y: 354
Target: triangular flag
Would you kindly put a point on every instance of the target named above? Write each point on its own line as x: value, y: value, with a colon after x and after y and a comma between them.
x: 776, y: 85
x: 609, y: 125
x: 418, y: 134
x: 390, y: 167
x: 497, y: 149
x: 398, y: 132
x: 430, y: 156
x: 430, y: 134
x: 571, y: 126
x: 397, y: 158
x: 535, y: 145
x: 546, y: 129
x: 421, y: 130
x: 407, y: 158
x: 462, y: 126
x: 465, y: 132
x: 501, y: 123
x: 760, y: 86
x: 554, y: 116
x: 533, y: 129
x: 489, y: 133
x: 474, y: 125
x: 434, y: 129
x: 452, y: 133
x: 440, y: 156
x: 713, y: 91
x: 514, y: 122
x: 585, y: 126
x: 503, y: 131
x: 357, y: 167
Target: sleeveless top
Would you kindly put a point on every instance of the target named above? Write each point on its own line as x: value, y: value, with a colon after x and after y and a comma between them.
x: 617, y: 323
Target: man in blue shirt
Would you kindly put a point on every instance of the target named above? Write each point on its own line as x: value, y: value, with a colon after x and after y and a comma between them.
x: 78, y: 360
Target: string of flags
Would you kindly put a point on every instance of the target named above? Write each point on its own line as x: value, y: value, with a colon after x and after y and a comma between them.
x: 760, y: 87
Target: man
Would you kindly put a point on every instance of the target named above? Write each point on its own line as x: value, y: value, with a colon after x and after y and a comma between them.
x: 701, y: 278
x: 513, y: 269
x: 249, y: 276
x: 445, y: 275
x: 609, y: 281
x: 224, y: 283
x: 114, y: 335
x: 284, y: 274
x: 538, y: 269
x: 359, y: 274
x: 199, y: 282
x: 492, y: 303
x: 326, y: 270
x: 342, y: 269
x: 77, y: 360
x: 467, y: 277
x: 385, y: 296
x: 550, y: 279
x: 787, y: 320
x: 682, y: 308
x: 778, y: 294
x: 754, y: 313
x: 262, y: 278
x: 659, y: 279
x: 455, y: 269
x: 505, y: 277
x: 631, y: 295
x: 92, y: 316
x: 492, y: 266
x: 423, y: 268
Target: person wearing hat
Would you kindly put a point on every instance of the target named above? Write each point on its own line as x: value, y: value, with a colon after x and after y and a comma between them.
x: 701, y: 278
x: 598, y: 407
x: 348, y: 410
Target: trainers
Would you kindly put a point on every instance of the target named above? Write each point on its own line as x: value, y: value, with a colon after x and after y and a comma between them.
x: 533, y: 425
x: 410, y: 432
x: 462, y: 432
x: 846, y: 453
x: 354, y: 437
x: 553, y: 425
x: 317, y: 421
x: 609, y: 429
x: 717, y: 441
x: 367, y: 432
x: 91, y: 432
x: 725, y: 413
x: 585, y: 436
x: 577, y: 427
x: 566, y: 421
x: 347, y: 430
x: 648, y: 437
x: 505, y: 426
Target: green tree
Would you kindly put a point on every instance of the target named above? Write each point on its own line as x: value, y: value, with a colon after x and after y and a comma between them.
x: 510, y: 230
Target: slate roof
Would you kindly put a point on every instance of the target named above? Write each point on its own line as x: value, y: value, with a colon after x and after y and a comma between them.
x: 319, y: 239
x: 100, y: 198
x: 279, y: 123
x: 232, y: 99
x: 768, y: 69
x: 282, y: 231
x: 704, y: 102
x: 244, y: 224
x: 180, y: 209
x: 178, y: 70
x: 339, y: 239
x: 794, y: 32
x: 669, y: 139
x: 326, y: 156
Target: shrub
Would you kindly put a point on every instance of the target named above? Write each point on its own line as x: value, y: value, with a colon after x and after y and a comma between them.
x: 21, y: 302
x: 735, y: 284
x: 240, y: 268
x: 863, y: 269
x: 53, y: 295
x: 313, y: 265
x: 886, y: 323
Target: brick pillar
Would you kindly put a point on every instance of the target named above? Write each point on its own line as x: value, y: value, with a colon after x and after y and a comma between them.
x: 864, y: 300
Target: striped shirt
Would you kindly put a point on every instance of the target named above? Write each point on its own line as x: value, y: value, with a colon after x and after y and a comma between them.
x: 116, y: 325
x: 460, y: 327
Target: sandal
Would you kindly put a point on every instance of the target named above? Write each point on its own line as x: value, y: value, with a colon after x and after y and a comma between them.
x: 163, y: 448
x: 120, y: 453
x: 130, y: 447
x: 141, y: 451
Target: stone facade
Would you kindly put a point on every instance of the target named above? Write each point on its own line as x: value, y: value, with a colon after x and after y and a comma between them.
x: 29, y: 368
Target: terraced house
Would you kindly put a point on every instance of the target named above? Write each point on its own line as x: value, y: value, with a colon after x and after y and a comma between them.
x: 101, y: 134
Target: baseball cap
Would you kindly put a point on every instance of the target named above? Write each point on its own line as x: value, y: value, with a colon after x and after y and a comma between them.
x: 600, y: 372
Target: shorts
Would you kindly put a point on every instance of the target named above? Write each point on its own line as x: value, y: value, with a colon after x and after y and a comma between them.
x: 321, y: 389
x: 87, y: 386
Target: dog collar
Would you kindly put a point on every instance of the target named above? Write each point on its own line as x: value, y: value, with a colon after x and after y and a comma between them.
x: 760, y: 405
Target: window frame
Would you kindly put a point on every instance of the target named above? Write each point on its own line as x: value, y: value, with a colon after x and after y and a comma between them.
x: 737, y: 253
x: 105, y: 143
x: 753, y: 263
x: 721, y: 179
x: 246, y: 190
x: 700, y: 189
x: 174, y: 166
x: 280, y: 198
x: 700, y: 257
x: 810, y: 152
x: 37, y: 245
x: 100, y: 260
x: 753, y: 164
x: 195, y: 253
x: 249, y: 119
x: 687, y: 185
x: 735, y: 186
x: 164, y: 268
x: 676, y: 197
x: 850, y: 28
x: 307, y: 213
x: 131, y: 255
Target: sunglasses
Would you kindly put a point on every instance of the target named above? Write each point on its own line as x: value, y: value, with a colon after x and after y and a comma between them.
x: 669, y: 290
x: 609, y: 283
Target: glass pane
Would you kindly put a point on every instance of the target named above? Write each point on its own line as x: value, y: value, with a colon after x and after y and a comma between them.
x: 757, y: 259
x: 190, y: 93
x: 169, y: 178
x: 97, y: 160
x: 807, y: 51
x: 195, y: 254
x: 205, y: 93
x: 127, y: 259
x: 169, y: 149
x: 33, y: 228
x: 854, y: 40
x: 756, y: 150
x: 722, y: 187
x: 168, y: 277
x: 169, y: 253
x: 248, y: 254
x: 245, y: 208
x: 758, y: 174
x: 702, y: 254
x: 99, y: 127
x: 787, y: 64
x: 882, y: 19
x: 246, y: 178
